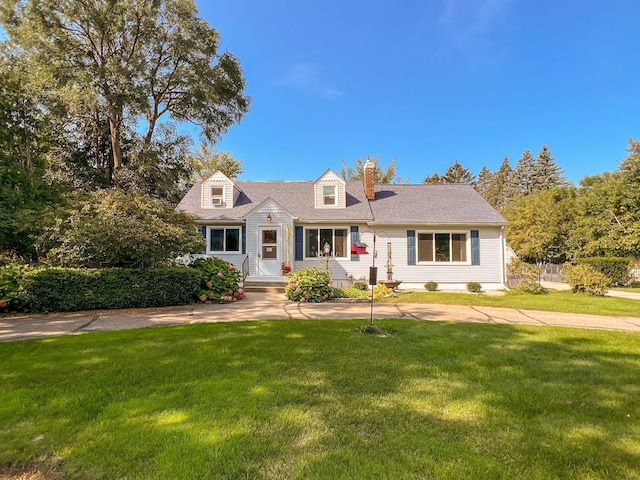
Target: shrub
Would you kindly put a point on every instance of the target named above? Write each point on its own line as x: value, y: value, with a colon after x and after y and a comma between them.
x: 308, y: 285
x: 474, y: 287
x: 220, y: 281
x: 72, y: 289
x: 361, y: 286
x: 634, y: 284
x: 615, y: 268
x: 351, y: 293
x: 10, y: 283
x: 431, y: 286
x: 523, y: 276
x: 116, y: 228
x: 381, y: 290
x: 585, y: 279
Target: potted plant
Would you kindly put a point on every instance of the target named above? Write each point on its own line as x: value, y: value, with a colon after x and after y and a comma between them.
x: 286, y: 269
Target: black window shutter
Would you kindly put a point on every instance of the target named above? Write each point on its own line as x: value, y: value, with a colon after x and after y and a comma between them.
x: 203, y: 230
x: 244, y: 239
x: 299, y: 245
x: 411, y: 247
x: 354, y: 239
x: 475, y: 247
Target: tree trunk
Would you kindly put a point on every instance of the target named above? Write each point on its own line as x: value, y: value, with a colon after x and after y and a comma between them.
x: 115, y: 121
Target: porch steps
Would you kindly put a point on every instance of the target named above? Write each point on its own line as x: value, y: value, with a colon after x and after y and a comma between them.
x: 265, y: 284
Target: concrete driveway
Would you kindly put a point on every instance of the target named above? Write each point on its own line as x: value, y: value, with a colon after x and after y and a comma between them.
x: 273, y: 306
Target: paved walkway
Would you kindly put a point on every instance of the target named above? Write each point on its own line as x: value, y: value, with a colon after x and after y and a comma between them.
x: 270, y: 306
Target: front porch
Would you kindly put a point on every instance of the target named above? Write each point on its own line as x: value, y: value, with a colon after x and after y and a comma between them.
x: 265, y: 283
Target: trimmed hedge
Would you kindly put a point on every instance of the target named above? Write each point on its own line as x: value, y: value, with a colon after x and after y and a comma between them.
x: 73, y: 289
x: 614, y: 268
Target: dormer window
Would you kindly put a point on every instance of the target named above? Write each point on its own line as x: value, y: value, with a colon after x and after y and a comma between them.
x: 329, y: 195
x: 217, y: 196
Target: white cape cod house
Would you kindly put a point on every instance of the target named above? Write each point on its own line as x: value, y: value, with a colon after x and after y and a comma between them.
x: 443, y: 233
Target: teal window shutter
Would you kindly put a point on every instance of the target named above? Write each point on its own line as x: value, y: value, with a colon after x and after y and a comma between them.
x: 244, y: 239
x: 203, y: 230
x: 354, y: 239
x: 299, y: 246
x: 475, y: 247
x: 411, y: 247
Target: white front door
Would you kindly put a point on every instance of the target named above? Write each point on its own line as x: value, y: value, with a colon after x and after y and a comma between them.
x: 269, y: 251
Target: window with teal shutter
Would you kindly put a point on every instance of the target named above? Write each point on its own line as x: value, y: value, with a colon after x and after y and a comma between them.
x: 475, y: 247
x: 411, y: 247
x: 354, y: 239
x: 203, y: 230
x: 299, y: 243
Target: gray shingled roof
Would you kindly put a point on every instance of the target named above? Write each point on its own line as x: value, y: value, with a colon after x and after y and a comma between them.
x: 296, y: 197
x: 432, y: 204
x: 393, y: 204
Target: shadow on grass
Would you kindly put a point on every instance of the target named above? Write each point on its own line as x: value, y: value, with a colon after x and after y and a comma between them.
x: 317, y: 399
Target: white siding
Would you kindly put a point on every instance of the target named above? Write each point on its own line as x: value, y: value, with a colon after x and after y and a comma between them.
x: 330, y: 179
x: 219, y: 180
x: 448, y: 275
x: 279, y: 219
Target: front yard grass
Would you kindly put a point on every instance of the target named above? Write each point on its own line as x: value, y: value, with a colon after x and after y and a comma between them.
x: 554, y: 301
x: 317, y: 399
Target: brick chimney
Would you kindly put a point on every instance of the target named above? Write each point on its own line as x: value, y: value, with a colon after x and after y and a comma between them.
x: 369, y: 170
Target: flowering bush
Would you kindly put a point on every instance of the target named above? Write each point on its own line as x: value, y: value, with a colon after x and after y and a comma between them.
x: 220, y: 281
x: 309, y: 285
x: 10, y: 283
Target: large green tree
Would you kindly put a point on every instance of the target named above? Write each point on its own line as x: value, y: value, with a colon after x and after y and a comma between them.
x: 609, y: 223
x: 383, y: 176
x: 455, y: 173
x: 541, y: 226
x: 205, y: 161
x: 132, y: 63
x: 115, y: 228
x: 27, y: 135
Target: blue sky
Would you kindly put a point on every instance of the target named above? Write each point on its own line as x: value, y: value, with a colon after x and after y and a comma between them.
x: 430, y: 82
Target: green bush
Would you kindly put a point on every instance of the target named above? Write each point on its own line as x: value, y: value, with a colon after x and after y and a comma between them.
x: 309, y: 285
x: 220, y: 281
x: 614, y: 268
x: 10, y: 283
x: 585, y: 279
x: 72, y: 289
x: 634, y: 284
x: 351, y: 292
x: 523, y: 276
x: 361, y: 286
x: 474, y: 287
x: 381, y: 290
x: 431, y: 286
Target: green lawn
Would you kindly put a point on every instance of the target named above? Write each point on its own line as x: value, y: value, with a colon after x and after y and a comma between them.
x: 554, y: 301
x: 317, y: 399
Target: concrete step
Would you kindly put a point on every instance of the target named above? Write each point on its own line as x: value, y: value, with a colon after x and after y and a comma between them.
x: 268, y: 284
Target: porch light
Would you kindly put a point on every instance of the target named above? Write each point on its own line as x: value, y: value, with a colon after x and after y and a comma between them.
x: 326, y: 249
x: 269, y: 217
x: 359, y: 248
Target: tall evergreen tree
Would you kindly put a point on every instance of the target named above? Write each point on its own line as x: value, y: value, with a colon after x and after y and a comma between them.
x: 546, y: 173
x: 521, y: 179
x: 433, y: 179
x: 484, y: 182
x: 456, y: 173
